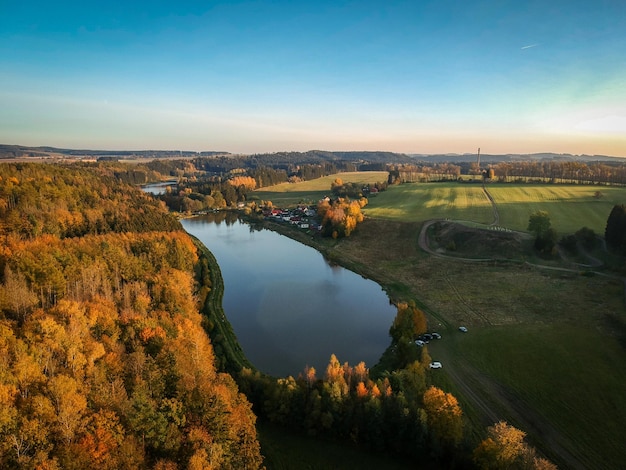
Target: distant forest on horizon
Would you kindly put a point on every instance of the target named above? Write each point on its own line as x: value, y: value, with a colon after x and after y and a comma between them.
x: 18, y: 151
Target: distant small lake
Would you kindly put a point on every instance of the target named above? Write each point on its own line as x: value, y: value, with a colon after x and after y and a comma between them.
x: 288, y: 307
x: 158, y: 188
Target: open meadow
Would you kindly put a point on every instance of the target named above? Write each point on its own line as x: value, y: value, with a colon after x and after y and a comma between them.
x: 546, y: 349
x: 570, y: 207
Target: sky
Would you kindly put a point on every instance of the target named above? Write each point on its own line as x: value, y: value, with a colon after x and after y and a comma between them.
x: 416, y: 76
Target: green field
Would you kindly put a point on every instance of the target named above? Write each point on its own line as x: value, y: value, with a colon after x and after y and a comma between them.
x: 423, y: 201
x: 573, y: 375
x: 570, y: 206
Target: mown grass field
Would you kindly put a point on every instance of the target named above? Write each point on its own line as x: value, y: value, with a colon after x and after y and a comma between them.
x: 570, y: 206
x: 555, y: 340
x: 423, y: 201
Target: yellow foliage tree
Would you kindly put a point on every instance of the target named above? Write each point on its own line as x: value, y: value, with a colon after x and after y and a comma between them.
x: 361, y: 390
x: 505, y: 448
x: 247, y: 182
x: 341, y: 217
x: 444, y: 416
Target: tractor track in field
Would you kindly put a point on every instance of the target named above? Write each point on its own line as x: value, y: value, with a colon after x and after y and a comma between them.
x: 467, y: 306
x: 494, y: 207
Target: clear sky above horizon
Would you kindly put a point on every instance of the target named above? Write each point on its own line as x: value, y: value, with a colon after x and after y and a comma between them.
x: 261, y: 76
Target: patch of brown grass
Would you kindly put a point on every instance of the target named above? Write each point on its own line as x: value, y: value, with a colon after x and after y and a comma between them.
x: 458, y: 292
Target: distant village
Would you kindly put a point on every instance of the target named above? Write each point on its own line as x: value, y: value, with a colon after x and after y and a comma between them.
x: 302, y: 216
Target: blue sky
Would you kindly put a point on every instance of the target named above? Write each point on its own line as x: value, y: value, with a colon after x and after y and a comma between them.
x: 257, y: 76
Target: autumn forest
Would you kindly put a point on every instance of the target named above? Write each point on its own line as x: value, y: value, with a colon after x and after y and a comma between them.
x: 105, y: 360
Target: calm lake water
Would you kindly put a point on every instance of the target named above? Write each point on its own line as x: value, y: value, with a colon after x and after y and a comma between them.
x: 290, y: 308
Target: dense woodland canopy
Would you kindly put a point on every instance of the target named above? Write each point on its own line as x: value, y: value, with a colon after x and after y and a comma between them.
x: 51, y: 199
x: 105, y: 363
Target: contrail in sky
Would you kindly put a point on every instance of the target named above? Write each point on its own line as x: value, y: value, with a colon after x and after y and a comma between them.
x: 529, y: 46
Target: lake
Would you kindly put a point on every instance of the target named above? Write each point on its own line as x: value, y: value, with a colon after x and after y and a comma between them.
x: 288, y: 306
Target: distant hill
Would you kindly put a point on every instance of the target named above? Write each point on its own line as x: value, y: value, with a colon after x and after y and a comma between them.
x: 276, y: 158
x: 511, y: 157
x: 359, y: 158
x: 20, y: 151
x: 323, y: 156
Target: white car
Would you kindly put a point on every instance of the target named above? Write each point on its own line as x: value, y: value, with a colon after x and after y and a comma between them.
x: 420, y: 343
x: 435, y: 365
x: 463, y: 329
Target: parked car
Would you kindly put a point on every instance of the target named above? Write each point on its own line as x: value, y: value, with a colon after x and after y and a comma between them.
x: 463, y: 329
x: 420, y: 343
x: 436, y: 335
x: 435, y: 365
x: 427, y: 336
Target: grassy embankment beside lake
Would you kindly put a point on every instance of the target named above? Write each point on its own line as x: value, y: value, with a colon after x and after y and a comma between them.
x: 223, y: 338
x: 553, y: 341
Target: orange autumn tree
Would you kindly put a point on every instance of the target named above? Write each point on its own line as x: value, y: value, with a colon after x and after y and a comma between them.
x: 444, y: 417
x: 390, y: 414
x: 340, y: 217
x: 247, y: 182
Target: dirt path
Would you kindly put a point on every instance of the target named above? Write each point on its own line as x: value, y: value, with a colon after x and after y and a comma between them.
x: 494, y: 207
x: 422, y: 241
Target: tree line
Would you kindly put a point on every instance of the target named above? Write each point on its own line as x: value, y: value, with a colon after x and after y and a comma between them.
x: 561, y: 172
